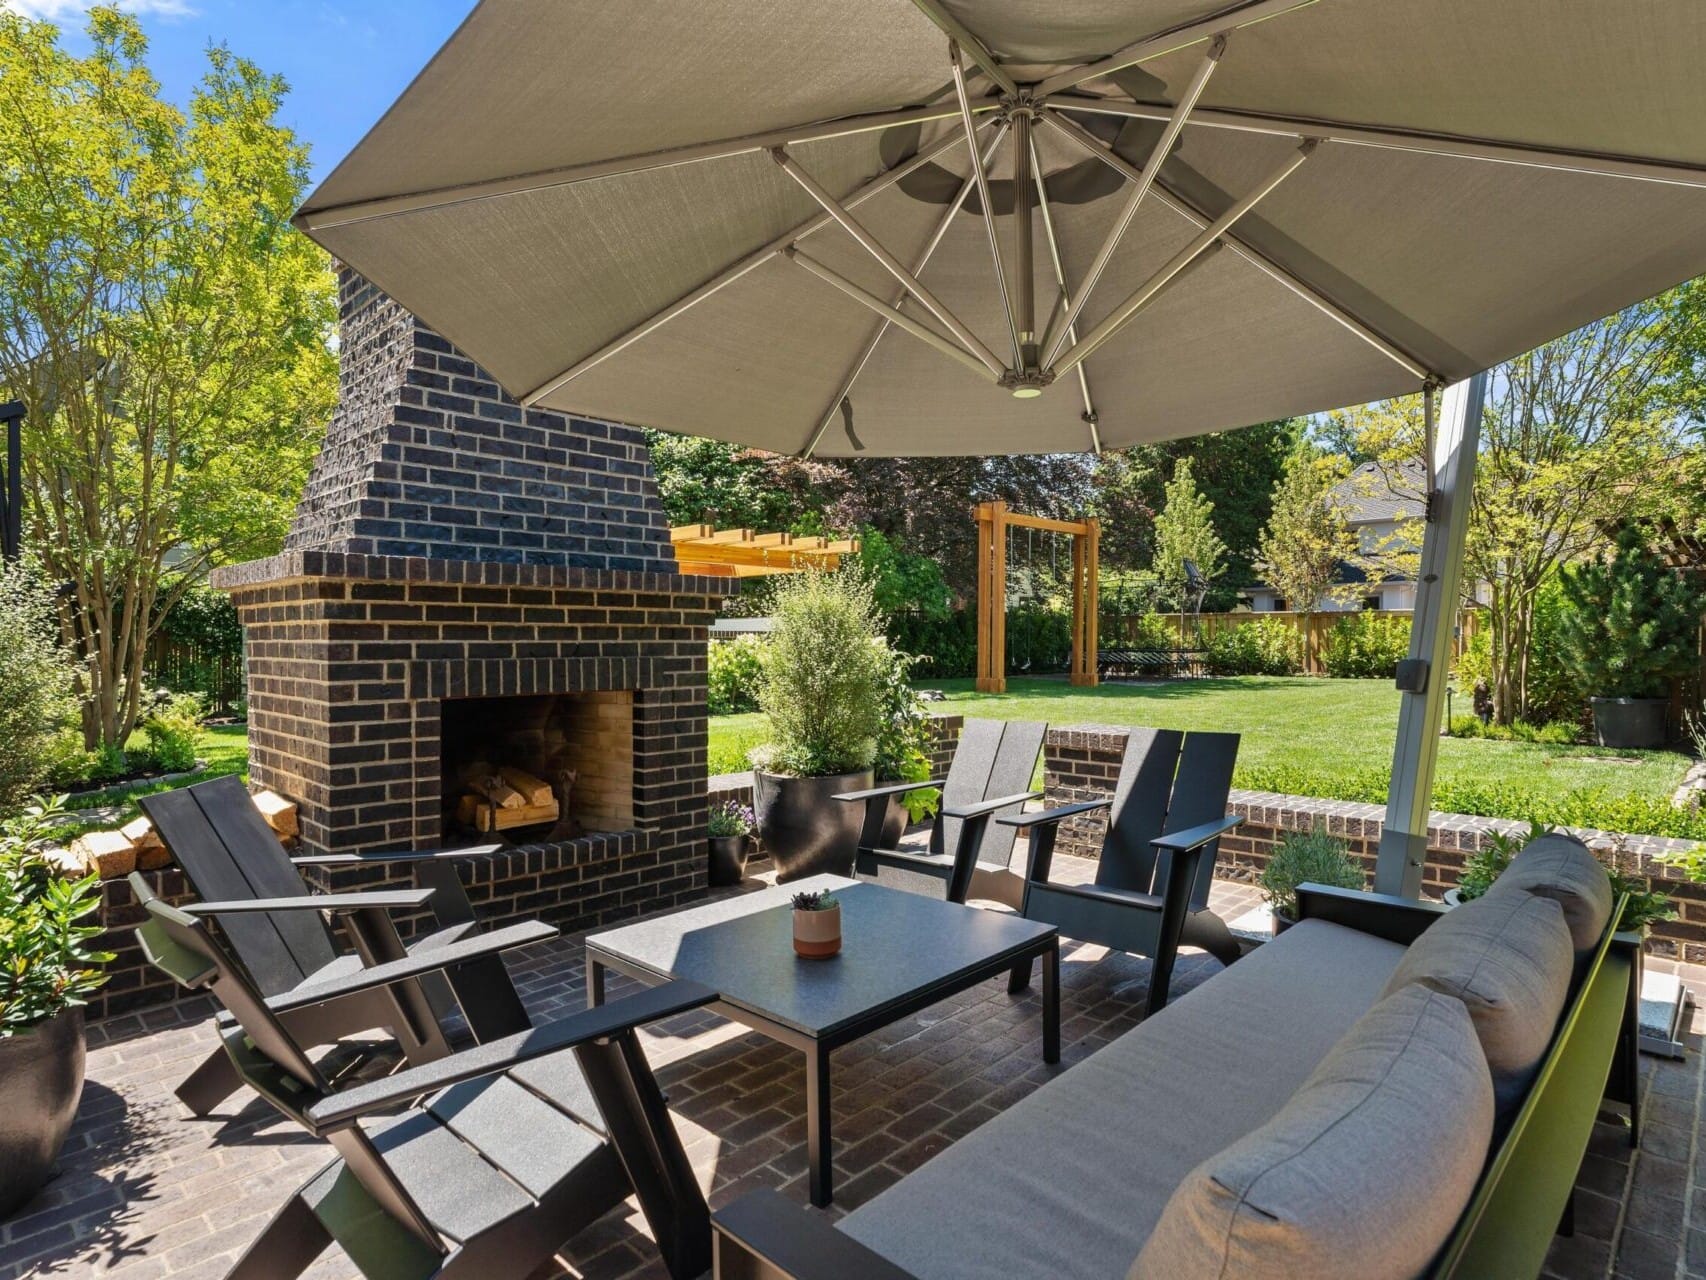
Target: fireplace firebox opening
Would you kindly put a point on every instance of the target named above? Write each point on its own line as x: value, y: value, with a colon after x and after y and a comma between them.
x: 547, y: 766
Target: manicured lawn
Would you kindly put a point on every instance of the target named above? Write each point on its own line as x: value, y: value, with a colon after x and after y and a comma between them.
x: 1330, y: 738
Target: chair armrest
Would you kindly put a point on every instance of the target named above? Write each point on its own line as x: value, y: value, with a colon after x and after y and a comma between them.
x: 983, y: 807
x: 792, y: 1243
x: 887, y: 789
x: 392, y: 855
x: 1048, y: 817
x: 382, y: 900
x: 1383, y: 915
x: 416, y: 964
x: 1196, y: 837
x: 343, y: 1108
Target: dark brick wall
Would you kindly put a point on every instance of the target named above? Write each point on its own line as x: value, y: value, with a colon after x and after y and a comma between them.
x: 426, y: 456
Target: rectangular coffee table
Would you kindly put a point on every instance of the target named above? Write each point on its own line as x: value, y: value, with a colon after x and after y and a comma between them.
x: 899, y: 953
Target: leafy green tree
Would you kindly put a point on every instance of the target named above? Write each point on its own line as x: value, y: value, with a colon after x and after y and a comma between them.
x: 36, y: 675
x: 1307, y: 537
x: 709, y: 482
x: 1632, y: 623
x: 1184, y: 532
x: 1575, y: 437
x: 902, y: 581
x: 165, y: 325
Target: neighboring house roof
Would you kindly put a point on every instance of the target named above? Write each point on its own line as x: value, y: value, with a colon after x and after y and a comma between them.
x: 1378, y: 491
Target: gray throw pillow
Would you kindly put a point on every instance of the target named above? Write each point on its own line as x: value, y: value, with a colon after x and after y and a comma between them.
x: 1562, y: 868
x: 1361, y: 1176
x: 1509, y: 959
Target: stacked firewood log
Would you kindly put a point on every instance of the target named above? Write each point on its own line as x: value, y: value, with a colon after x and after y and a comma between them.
x: 497, y: 798
x: 136, y: 846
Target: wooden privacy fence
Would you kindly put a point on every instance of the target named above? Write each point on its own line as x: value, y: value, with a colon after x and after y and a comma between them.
x: 185, y: 666
x: 1194, y: 631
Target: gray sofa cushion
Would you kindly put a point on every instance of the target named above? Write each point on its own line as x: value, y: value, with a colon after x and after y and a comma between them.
x: 1561, y: 868
x: 1509, y: 959
x: 1069, y: 1181
x: 1361, y: 1176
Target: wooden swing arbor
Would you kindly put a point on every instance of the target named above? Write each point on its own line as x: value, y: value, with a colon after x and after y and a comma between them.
x: 993, y: 521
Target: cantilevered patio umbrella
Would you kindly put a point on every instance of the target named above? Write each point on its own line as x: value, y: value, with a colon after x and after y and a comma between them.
x: 910, y: 227
x: 702, y: 217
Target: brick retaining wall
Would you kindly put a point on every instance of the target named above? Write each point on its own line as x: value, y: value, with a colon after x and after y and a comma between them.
x: 1081, y: 762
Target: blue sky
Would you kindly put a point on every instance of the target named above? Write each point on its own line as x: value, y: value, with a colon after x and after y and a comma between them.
x: 345, y: 60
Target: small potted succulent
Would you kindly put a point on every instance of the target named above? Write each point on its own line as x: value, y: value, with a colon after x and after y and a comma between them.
x: 730, y: 830
x: 817, y: 925
x: 48, y: 971
x: 1301, y: 857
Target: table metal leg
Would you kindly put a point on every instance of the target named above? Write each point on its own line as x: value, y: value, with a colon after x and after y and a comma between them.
x: 1051, y: 1001
x: 817, y: 1126
x: 594, y: 983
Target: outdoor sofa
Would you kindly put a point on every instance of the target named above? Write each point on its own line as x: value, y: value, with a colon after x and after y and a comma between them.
x: 1387, y: 1089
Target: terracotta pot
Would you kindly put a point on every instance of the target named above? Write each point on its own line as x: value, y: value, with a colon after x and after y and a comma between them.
x: 41, y: 1079
x: 805, y: 830
x: 817, y: 934
x: 728, y: 860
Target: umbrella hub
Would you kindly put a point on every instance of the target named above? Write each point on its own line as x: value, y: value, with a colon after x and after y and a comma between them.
x: 1027, y: 384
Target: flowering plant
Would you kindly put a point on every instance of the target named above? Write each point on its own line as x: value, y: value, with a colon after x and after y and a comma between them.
x: 731, y: 818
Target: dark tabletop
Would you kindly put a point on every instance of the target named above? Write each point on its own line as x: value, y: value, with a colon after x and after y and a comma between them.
x: 893, y: 945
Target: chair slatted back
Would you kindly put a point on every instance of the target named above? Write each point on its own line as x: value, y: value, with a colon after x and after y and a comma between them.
x: 1169, y: 781
x: 993, y: 758
x: 225, y: 847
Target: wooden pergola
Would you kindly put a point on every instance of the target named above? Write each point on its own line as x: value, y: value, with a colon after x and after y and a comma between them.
x: 993, y: 521
x: 741, y: 553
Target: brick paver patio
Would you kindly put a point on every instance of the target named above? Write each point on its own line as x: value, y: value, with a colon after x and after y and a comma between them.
x: 149, y: 1194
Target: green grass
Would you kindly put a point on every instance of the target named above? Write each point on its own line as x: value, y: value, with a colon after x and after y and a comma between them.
x: 1331, y: 738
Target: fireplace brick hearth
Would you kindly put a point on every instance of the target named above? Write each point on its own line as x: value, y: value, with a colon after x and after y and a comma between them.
x: 452, y: 546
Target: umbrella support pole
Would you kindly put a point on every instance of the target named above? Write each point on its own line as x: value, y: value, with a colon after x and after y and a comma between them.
x: 1424, y: 674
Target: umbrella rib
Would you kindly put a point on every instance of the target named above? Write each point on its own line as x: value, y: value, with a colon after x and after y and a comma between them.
x: 1121, y: 315
x: 982, y: 177
x: 1254, y: 256
x: 1180, y: 37
x: 889, y: 262
x: 883, y: 324
x: 1163, y: 146
x: 1090, y: 418
x: 544, y: 179
x: 738, y: 269
x: 894, y: 315
x: 1454, y: 146
x: 974, y: 47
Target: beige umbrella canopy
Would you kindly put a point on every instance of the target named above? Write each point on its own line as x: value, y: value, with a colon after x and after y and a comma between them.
x: 760, y: 220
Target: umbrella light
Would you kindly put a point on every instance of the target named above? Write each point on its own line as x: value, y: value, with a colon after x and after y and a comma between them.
x: 985, y: 226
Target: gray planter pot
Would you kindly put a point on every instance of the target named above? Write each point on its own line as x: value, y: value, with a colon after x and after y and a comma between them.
x: 1281, y: 922
x: 727, y: 860
x: 894, y: 823
x: 805, y: 830
x: 41, y: 1079
x: 1634, y: 724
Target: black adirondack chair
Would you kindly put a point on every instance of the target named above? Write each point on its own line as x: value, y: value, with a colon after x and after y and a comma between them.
x: 276, y: 925
x: 1150, y: 894
x: 967, y: 856
x: 501, y: 1152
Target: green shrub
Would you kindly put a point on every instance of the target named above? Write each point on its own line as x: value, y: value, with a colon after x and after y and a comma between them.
x: 1300, y: 857
x: 1633, y: 623
x: 1491, y: 860
x: 36, y: 674
x: 734, y: 670
x: 1553, y: 694
x: 171, y: 729
x: 903, y: 745
x: 944, y: 648
x: 1152, y: 631
x: 46, y: 964
x: 1267, y: 647
x: 1558, y: 733
x: 1365, y: 646
x: 823, y: 676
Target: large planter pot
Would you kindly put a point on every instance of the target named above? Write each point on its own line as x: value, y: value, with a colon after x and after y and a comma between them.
x: 41, y: 1079
x: 1630, y: 723
x: 894, y: 823
x: 727, y: 860
x: 1281, y: 921
x: 805, y: 830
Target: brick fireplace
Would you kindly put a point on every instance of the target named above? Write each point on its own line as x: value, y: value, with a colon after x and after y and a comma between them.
x: 468, y: 583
